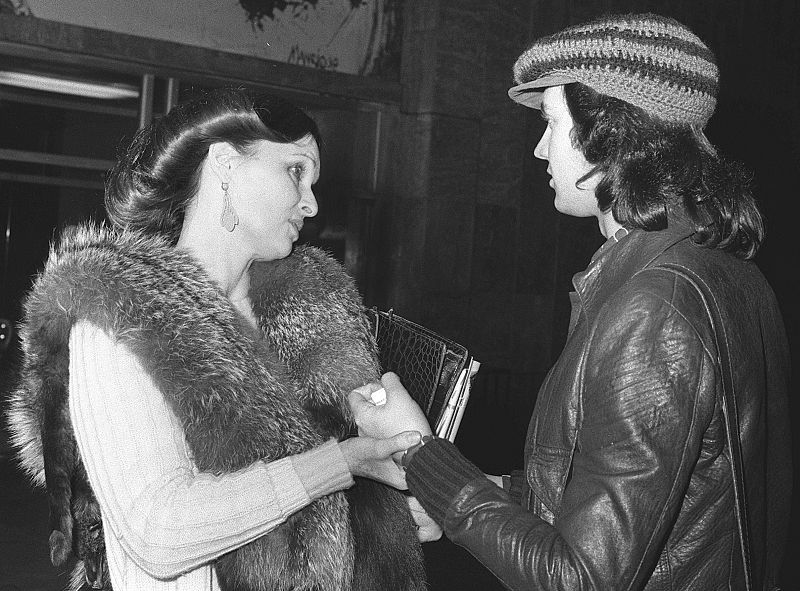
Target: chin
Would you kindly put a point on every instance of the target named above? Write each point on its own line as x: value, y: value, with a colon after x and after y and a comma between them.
x: 276, y: 253
x: 284, y: 251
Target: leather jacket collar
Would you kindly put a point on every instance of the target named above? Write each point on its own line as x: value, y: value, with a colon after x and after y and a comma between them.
x: 619, y: 259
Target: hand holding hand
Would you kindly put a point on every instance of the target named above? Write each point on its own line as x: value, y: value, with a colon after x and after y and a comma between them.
x: 398, y: 413
x: 372, y: 458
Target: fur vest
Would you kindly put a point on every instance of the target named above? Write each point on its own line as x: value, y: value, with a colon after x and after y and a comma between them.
x: 241, y: 395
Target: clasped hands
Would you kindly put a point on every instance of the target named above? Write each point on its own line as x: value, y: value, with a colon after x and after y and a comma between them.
x: 385, y: 432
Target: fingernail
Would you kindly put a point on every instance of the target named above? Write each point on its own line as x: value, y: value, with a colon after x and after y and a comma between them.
x: 379, y: 397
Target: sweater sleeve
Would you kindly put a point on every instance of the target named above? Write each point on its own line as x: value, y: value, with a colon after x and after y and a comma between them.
x: 167, y: 516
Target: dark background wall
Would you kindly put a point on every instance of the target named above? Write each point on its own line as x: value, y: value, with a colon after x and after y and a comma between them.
x: 471, y: 243
x: 466, y: 239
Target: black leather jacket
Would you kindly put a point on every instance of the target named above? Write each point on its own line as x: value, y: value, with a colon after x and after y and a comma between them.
x: 627, y: 483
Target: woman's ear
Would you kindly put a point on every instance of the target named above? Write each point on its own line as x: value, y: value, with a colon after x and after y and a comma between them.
x: 221, y: 158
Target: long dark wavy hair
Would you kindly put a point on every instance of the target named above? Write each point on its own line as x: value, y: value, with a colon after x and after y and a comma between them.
x: 158, y: 174
x: 649, y: 168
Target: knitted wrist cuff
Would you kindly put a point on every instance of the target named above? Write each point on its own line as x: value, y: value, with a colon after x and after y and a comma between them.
x: 323, y: 470
x: 436, y: 474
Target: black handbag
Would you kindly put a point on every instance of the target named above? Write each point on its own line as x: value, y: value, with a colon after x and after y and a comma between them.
x: 436, y: 371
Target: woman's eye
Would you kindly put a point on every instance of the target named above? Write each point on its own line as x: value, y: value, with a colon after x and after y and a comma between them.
x: 296, y: 171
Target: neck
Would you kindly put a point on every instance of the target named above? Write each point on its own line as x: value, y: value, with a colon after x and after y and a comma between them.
x: 608, y: 225
x: 220, y: 259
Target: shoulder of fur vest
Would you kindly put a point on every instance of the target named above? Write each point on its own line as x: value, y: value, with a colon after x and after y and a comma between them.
x: 307, y: 272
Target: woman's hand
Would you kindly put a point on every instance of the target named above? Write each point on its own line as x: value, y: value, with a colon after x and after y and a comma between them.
x: 398, y: 413
x: 427, y: 529
x: 372, y: 458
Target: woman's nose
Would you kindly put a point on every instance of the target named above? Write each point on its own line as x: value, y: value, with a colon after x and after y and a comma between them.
x: 308, y: 205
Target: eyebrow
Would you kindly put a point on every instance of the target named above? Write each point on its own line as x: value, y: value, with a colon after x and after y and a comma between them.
x: 307, y: 155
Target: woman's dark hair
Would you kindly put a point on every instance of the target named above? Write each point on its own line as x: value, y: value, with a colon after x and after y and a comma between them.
x: 648, y: 168
x: 152, y: 183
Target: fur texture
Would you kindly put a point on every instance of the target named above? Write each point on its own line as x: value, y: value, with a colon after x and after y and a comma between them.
x: 260, y: 398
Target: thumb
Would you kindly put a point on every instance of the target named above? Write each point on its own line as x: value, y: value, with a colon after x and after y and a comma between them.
x: 366, y: 390
x: 357, y: 401
x: 400, y: 442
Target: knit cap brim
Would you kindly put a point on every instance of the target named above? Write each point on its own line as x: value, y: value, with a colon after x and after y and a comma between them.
x: 530, y: 93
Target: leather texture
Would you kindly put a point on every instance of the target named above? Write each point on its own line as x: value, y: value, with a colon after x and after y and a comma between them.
x: 627, y: 481
x: 730, y: 413
x: 427, y: 363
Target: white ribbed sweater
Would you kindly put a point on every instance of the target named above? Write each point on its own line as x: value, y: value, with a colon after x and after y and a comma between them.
x: 163, y: 521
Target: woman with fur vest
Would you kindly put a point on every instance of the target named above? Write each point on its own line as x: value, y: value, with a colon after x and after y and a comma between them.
x: 203, y: 365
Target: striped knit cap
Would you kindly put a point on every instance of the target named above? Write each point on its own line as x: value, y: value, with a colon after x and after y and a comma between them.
x: 650, y: 61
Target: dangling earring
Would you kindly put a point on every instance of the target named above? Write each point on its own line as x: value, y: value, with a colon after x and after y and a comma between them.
x: 228, y: 219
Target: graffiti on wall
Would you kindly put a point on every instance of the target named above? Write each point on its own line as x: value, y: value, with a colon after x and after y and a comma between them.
x: 350, y: 36
x: 15, y: 7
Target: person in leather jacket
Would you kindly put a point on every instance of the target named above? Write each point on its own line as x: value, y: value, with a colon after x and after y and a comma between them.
x: 630, y: 462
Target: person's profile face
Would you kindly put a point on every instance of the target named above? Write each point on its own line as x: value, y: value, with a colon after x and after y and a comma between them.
x: 566, y: 164
x: 271, y: 191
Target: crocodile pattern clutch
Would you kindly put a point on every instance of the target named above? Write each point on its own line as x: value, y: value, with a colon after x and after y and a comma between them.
x: 427, y: 363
